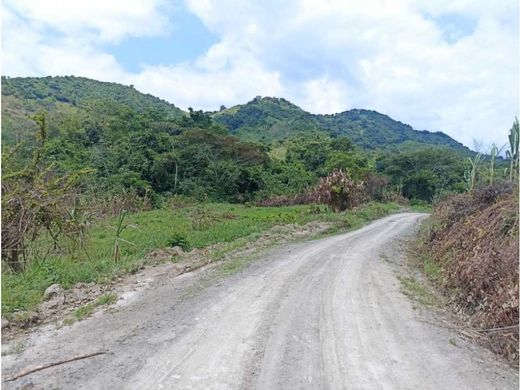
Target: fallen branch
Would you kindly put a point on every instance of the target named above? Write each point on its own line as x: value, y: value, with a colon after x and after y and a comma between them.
x: 465, y: 330
x: 48, y: 365
x: 496, y: 329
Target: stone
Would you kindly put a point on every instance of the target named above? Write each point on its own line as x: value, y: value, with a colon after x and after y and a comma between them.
x: 53, y: 291
x: 176, y: 251
x: 5, y: 323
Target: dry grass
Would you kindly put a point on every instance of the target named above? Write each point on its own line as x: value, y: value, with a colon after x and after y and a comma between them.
x: 474, y: 241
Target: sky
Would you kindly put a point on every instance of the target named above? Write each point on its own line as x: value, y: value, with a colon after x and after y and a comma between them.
x: 443, y: 65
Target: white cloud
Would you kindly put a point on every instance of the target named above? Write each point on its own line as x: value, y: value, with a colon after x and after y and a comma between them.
x: 102, y: 20
x: 325, y: 55
x: 188, y: 85
x: 323, y: 95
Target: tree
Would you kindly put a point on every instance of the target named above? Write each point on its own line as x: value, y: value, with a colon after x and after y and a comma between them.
x: 34, y: 199
x: 423, y: 174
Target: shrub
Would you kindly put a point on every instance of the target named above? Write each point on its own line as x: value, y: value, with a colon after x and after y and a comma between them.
x: 179, y: 240
x: 340, y: 191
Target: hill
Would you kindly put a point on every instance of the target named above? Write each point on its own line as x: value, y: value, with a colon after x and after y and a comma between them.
x: 266, y: 119
x: 263, y: 119
x: 79, y: 91
x: 136, y: 141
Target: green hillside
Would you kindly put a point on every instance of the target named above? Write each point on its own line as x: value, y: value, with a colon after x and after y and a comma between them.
x: 67, y: 99
x: 267, y: 147
x: 79, y: 91
x: 266, y: 119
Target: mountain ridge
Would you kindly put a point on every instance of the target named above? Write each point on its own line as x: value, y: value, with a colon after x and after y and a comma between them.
x: 263, y: 119
x: 258, y: 120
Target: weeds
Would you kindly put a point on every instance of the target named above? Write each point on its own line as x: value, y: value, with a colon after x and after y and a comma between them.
x: 88, y: 309
x: 417, y: 291
x: 470, y: 249
x: 84, y: 311
x: 120, y: 228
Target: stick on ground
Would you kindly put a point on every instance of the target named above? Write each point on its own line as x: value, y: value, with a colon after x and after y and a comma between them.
x: 28, y: 371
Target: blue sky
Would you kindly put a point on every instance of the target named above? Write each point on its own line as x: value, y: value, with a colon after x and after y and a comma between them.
x: 186, y: 40
x: 442, y: 65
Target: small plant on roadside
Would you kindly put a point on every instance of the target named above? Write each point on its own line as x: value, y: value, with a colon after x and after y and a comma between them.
x: 84, y: 311
x: 179, y: 240
x: 76, y: 229
x: 88, y: 309
x: 120, y: 228
x: 107, y: 299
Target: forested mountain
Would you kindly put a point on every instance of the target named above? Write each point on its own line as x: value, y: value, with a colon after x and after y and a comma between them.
x: 79, y: 91
x: 266, y: 119
x: 265, y: 148
x: 66, y: 97
x: 261, y: 120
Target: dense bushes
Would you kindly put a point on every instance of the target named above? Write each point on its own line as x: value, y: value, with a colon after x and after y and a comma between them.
x: 340, y: 191
x: 35, y: 198
x: 424, y: 174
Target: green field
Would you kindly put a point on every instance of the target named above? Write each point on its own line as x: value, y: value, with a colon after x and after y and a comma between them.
x: 190, y: 226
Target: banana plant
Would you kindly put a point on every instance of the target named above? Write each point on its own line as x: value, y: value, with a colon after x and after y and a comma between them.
x: 493, y: 154
x: 471, y: 174
x: 512, y: 153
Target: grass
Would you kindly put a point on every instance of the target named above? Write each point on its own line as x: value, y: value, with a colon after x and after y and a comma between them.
x: 417, y: 291
x: 195, y: 226
x: 421, y: 207
x: 88, y: 309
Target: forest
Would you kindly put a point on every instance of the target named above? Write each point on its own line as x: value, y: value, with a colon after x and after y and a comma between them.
x: 132, y: 141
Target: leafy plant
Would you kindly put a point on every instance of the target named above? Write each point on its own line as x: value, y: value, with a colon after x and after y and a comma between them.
x: 34, y: 199
x: 494, y: 152
x: 120, y: 228
x: 340, y: 191
x: 512, y: 153
x: 179, y: 240
x: 471, y: 174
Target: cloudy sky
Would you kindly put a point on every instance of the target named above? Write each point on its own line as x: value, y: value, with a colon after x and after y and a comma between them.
x: 449, y: 65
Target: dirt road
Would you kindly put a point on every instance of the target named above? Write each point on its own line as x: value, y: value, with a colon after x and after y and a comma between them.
x: 324, y: 314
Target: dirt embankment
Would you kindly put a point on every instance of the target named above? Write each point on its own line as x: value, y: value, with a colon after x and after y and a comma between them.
x: 472, y: 251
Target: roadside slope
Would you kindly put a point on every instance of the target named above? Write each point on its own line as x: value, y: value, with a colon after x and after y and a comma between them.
x: 322, y: 314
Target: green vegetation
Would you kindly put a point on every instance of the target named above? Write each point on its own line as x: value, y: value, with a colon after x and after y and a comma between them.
x: 512, y: 153
x: 267, y: 119
x: 135, y: 142
x: 88, y: 309
x: 97, y: 175
x: 417, y: 291
x: 232, y: 225
x: 424, y: 174
x: 80, y: 91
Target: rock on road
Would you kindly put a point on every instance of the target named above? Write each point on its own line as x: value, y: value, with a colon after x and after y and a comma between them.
x: 323, y: 314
